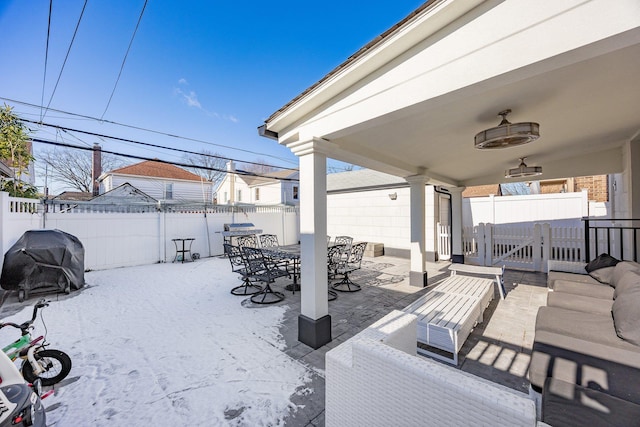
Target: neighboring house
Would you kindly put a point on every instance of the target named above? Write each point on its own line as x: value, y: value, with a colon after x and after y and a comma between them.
x: 597, y: 188
x: 272, y: 188
x: 160, y: 181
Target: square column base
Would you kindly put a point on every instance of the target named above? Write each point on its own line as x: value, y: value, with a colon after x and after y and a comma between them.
x: 418, y: 279
x: 314, y: 333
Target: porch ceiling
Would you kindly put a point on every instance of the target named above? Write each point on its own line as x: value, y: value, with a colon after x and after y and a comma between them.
x: 586, y: 112
x: 585, y: 98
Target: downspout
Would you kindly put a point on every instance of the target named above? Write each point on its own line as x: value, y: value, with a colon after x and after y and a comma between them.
x: 446, y: 193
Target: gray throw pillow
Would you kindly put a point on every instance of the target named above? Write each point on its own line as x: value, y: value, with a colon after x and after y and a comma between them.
x: 620, y: 269
x: 603, y: 275
x: 602, y: 261
x: 628, y: 281
x: 626, y: 316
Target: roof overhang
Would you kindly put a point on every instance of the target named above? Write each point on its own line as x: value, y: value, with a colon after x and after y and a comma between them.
x: 412, y: 102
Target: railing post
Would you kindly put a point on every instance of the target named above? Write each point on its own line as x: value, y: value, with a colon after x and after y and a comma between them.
x: 546, y: 246
x: 488, y: 244
x: 587, y: 245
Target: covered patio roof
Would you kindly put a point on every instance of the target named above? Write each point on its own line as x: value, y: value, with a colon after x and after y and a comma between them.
x: 412, y: 101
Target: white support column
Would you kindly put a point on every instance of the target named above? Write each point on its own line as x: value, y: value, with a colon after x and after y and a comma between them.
x: 457, y: 254
x: 314, y: 322
x: 417, y: 201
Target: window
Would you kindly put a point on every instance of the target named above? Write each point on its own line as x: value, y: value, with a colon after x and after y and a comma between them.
x: 295, y: 192
x: 257, y: 194
x: 239, y: 195
x: 226, y: 197
x: 168, y: 191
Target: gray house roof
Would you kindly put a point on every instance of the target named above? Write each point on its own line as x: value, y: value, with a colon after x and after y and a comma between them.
x: 362, y: 179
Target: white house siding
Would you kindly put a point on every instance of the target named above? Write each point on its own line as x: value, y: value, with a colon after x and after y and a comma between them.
x: 372, y: 216
x: 155, y: 187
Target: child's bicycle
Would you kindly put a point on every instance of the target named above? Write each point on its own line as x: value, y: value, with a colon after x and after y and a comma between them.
x: 51, y: 366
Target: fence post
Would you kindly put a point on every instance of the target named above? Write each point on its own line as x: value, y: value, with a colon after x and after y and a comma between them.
x: 546, y: 246
x: 488, y: 244
x: 587, y: 245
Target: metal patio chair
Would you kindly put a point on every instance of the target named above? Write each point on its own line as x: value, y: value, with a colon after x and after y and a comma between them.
x: 239, y: 265
x: 334, y: 254
x: 352, y: 263
x: 250, y: 240
x: 263, y: 271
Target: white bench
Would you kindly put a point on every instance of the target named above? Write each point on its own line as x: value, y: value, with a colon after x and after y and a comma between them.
x: 447, y: 314
x: 498, y: 272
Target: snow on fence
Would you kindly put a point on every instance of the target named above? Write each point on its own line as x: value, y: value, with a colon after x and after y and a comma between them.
x: 117, y: 237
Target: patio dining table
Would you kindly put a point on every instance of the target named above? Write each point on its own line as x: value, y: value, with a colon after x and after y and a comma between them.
x: 290, y: 253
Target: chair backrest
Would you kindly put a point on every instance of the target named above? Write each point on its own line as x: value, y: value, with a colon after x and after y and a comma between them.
x: 334, y: 255
x: 356, y: 253
x: 343, y: 240
x: 269, y: 241
x: 249, y: 240
x: 235, y: 256
x: 254, y: 258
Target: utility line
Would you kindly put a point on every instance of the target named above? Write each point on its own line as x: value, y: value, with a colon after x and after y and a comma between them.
x: 148, y: 144
x: 150, y: 130
x: 46, y: 58
x: 184, y: 165
x: 65, y: 58
x: 125, y: 59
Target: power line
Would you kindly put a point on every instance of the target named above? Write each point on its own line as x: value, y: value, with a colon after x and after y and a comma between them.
x: 65, y: 58
x: 152, y: 131
x: 46, y: 58
x: 184, y: 165
x: 125, y: 59
x: 148, y: 144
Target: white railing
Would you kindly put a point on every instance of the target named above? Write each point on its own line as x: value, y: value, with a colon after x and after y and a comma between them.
x: 444, y: 241
x: 527, y: 247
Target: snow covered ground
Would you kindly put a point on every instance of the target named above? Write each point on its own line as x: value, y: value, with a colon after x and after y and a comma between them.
x: 167, y: 345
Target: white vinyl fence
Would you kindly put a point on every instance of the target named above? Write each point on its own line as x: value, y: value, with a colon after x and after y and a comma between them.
x: 522, y: 246
x: 118, y: 239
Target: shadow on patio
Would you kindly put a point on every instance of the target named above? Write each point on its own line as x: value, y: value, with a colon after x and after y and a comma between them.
x: 498, y: 349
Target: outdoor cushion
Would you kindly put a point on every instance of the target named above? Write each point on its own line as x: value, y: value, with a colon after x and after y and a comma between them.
x: 626, y: 315
x: 614, y: 370
x: 602, y: 261
x: 629, y: 280
x: 603, y: 275
x: 565, y: 404
x: 554, y: 276
x: 621, y: 268
x: 596, y: 328
x: 595, y: 290
x: 579, y: 303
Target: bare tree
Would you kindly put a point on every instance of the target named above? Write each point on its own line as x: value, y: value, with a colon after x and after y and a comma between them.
x: 259, y: 167
x: 73, y: 167
x: 210, y: 166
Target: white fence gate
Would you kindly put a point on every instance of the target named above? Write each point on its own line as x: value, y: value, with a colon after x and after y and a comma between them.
x: 522, y: 247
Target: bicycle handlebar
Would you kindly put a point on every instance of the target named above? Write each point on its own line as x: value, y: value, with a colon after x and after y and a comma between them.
x: 24, y: 326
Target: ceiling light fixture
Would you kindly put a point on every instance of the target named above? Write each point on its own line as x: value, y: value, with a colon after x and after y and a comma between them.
x: 523, y: 170
x: 507, y: 134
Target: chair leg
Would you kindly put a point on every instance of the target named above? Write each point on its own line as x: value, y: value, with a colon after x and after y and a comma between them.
x: 267, y: 296
x: 346, y: 285
x: 247, y: 288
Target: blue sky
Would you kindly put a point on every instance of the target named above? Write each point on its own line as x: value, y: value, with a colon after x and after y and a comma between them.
x: 207, y: 70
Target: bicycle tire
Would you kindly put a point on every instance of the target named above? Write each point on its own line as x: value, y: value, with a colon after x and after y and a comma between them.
x: 58, y: 366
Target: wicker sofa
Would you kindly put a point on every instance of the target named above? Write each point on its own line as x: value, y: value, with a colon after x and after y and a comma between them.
x: 586, y: 352
x: 376, y: 379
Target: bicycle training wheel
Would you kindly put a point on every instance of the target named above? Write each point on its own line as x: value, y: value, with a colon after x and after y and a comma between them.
x: 56, y: 364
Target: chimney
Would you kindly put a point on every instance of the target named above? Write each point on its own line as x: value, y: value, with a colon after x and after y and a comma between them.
x: 96, y: 168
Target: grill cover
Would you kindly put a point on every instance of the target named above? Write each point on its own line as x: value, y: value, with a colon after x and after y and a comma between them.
x: 44, y: 258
